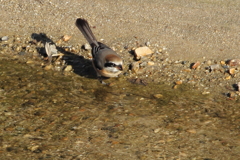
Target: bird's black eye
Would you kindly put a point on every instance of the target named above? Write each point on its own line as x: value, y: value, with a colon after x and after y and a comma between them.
x: 109, y: 64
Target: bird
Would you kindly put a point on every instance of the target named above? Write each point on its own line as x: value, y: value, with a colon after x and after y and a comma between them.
x: 106, y: 62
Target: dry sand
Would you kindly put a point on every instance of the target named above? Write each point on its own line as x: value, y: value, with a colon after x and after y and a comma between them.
x: 189, y: 29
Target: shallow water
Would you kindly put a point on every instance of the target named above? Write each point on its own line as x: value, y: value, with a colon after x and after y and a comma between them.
x: 59, y: 115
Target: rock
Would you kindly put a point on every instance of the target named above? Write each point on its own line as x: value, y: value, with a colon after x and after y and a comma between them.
x: 231, y: 94
x: 214, y: 67
x: 233, y: 62
x: 142, y: 51
x: 30, y: 62
x: 157, y: 130
x: 68, y: 68
x: 66, y: 38
x: 178, y: 82
x: 192, y: 131
x: 134, y: 67
x: 87, y: 46
x: 143, y: 64
x: 150, y: 63
x: 195, y: 65
x: 48, y: 67
x: 175, y: 86
x: 222, y: 62
x: 205, y: 92
x: 186, y: 70
x: 147, y: 43
x: 231, y: 71
x: 158, y: 95
x: 4, y: 38
x: 228, y: 77
x: 33, y: 148
x: 238, y: 86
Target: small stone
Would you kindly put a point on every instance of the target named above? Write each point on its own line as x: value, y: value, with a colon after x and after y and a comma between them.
x: 147, y: 43
x: 4, y: 38
x: 150, y: 63
x: 33, y: 148
x: 143, y: 64
x: 195, y: 65
x: 68, y: 68
x: 158, y: 95
x: 87, y: 46
x: 18, y: 48
x: 231, y: 71
x: 157, y: 130
x: 205, y: 92
x: 175, y: 86
x: 30, y: 62
x: 66, y: 38
x: 48, y: 67
x: 192, y: 131
x: 214, y: 67
x: 178, y: 82
x: 209, y: 62
x: 27, y: 136
x: 134, y: 67
x: 228, y: 77
x: 231, y: 95
x: 222, y: 62
x: 238, y: 85
x: 186, y: 70
x: 142, y: 51
x: 233, y: 62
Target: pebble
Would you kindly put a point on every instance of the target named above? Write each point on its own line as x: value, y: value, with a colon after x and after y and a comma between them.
x: 178, y: 82
x: 228, y: 77
x: 33, y: 148
x: 222, y: 62
x: 231, y: 71
x: 87, y: 46
x: 158, y: 95
x: 147, y: 43
x: 66, y: 38
x: 30, y: 62
x: 4, y: 38
x: 157, y: 130
x: 134, y: 67
x: 142, y: 51
x: 192, y: 131
x: 175, y: 86
x: 68, y: 68
x: 214, y: 67
x: 195, y: 65
x: 205, y: 92
x: 150, y: 63
x: 48, y: 67
x: 233, y: 62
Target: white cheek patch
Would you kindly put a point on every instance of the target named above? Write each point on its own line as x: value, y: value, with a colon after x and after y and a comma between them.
x: 112, y: 69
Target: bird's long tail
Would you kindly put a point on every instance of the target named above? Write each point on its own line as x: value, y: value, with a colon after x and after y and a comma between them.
x: 83, y: 26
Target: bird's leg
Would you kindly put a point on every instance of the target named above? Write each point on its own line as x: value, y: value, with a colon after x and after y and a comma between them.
x: 101, y: 80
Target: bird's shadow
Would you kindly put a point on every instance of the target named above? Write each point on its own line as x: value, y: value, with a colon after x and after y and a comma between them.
x: 80, y: 65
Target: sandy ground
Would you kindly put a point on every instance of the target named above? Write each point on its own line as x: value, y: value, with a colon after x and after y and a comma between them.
x: 53, y: 114
x: 189, y: 29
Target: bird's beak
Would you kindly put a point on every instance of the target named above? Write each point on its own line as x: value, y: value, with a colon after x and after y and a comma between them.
x: 119, y: 67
